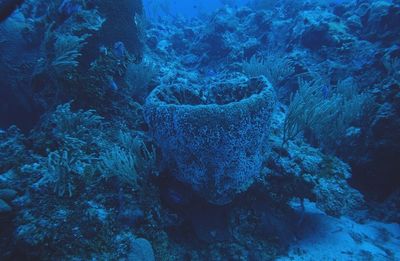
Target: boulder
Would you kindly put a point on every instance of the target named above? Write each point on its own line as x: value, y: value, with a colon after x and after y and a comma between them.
x: 4, y: 207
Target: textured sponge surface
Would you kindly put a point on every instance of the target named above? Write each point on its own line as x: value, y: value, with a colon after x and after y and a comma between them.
x: 214, y: 136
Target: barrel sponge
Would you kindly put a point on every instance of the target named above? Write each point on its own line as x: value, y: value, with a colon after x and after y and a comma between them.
x: 214, y: 136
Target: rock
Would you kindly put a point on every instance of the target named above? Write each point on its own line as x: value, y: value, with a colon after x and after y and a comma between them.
x: 354, y: 23
x: 189, y: 33
x: 130, y: 217
x: 7, y: 194
x: 163, y: 46
x: 7, y: 178
x: 22, y: 201
x: 243, y: 12
x: 250, y: 47
x: 126, y: 12
x: 190, y: 60
x: 339, y: 10
x: 4, y: 207
x: 381, y: 21
x: 315, y: 176
x: 222, y: 23
x: 215, y: 136
x: 214, y: 44
x: 179, y: 42
x: 11, y: 148
x: 337, y: 198
x: 317, y: 30
x: 315, y: 37
x: 17, y: 105
x: 263, y: 20
x: 141, y: 250
x: 152, y: 41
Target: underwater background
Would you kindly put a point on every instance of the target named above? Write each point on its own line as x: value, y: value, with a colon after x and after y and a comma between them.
x: 199, y: 130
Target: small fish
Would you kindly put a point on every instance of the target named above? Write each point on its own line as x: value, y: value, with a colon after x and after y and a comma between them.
x: 326, y: 91
x: 119, y: 49
x: 103, y: 50
x: 210, y: 73
x: 112, y: 84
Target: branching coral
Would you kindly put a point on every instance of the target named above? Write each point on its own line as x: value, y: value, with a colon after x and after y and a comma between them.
x: 73, y: 139
x: 67, y: 49
x: 129, y: 160
x: 326, y: 115
x: 11, y: 148
x: 120, y: 163
x: 80, y: 150
x: 76, y: 130
x: 62, y: 167
x: 302, y: 111
x: 65, y: 42
x: 67, y: 45
x: 392, y: 66
x: 138, y: 77
x: 145, y: 153
x: 86, y: 21
x: 273, y: 67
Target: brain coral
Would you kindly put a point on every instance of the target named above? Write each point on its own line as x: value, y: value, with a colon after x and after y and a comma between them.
x: 214, y: 136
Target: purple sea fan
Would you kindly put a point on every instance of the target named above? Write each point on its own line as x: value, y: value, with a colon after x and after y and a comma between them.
x: 119, y: 49
x: 112, y: 84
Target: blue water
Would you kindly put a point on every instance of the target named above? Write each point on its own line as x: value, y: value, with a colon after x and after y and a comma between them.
x: 193, y: 8
x: 185, y: 8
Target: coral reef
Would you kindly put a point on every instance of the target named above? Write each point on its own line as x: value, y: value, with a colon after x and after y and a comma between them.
x: 327, y: 114
x: 12, y: 148
x: 259, y: 131
x: 69, y: 55
x: 122, y: 24
x: 17, y: 64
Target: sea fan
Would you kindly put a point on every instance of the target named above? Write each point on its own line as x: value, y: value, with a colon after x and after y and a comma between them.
x: 67, y: 50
